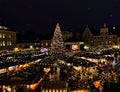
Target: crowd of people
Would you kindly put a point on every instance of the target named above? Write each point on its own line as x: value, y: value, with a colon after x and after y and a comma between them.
x: 12, y: 59
x: 102, y: 77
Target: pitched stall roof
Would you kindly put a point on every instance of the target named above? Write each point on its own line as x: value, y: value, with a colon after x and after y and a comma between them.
x: 93, y: 30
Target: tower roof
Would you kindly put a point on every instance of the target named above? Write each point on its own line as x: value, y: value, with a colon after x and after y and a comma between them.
x: 91, y: 29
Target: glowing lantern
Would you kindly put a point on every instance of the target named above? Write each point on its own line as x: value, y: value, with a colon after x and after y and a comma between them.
x: 16, y: 49
x: 86, y: 47
x: 31, y: 47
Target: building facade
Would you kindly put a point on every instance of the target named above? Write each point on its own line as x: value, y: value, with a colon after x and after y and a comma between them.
x: 7, y: 39
x: 28, y: 45
x: 105, y: 38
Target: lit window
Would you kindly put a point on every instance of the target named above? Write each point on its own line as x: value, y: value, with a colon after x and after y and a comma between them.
x: 46, y: 44
x: 3, y: 35
x: 64, y: 90
x: 56, y: 90
x: 50, y: 90
x: 0, y: 35
x: 9, y: 43
x: 53, y: 90
x: 109, y: 41
x: 0, y: 43
x: 3, y: 43
x: 61, y: 90
x: 46, y: 90
x: 43, y: 90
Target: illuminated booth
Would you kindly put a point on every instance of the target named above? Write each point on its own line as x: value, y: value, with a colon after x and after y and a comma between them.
x: 44, y: 50
x: 74, y: 46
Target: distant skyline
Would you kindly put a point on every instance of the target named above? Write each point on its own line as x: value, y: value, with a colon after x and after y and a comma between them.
x: 42, y: 15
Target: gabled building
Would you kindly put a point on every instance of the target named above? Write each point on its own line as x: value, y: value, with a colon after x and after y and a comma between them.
x: 88, y: 35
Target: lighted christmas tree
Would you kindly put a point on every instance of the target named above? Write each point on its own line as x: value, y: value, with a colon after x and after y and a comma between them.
x: 57, y: 46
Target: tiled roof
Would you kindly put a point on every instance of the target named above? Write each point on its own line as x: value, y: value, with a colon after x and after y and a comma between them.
x: 93, y: 30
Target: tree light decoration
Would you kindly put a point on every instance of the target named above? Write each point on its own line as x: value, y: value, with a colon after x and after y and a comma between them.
x: 57, y: 47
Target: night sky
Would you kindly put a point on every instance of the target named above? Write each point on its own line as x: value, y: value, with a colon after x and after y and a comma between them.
x: 42, y: 15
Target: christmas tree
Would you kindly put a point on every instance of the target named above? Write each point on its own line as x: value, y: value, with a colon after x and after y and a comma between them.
x: 57, y: 46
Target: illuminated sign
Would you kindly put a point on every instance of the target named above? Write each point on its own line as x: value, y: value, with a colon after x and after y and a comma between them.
x: 74, y: 47
x: 2, y: 71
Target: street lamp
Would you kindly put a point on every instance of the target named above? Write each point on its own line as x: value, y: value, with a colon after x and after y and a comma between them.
x: 16, y: 49
x: 31, y: 47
